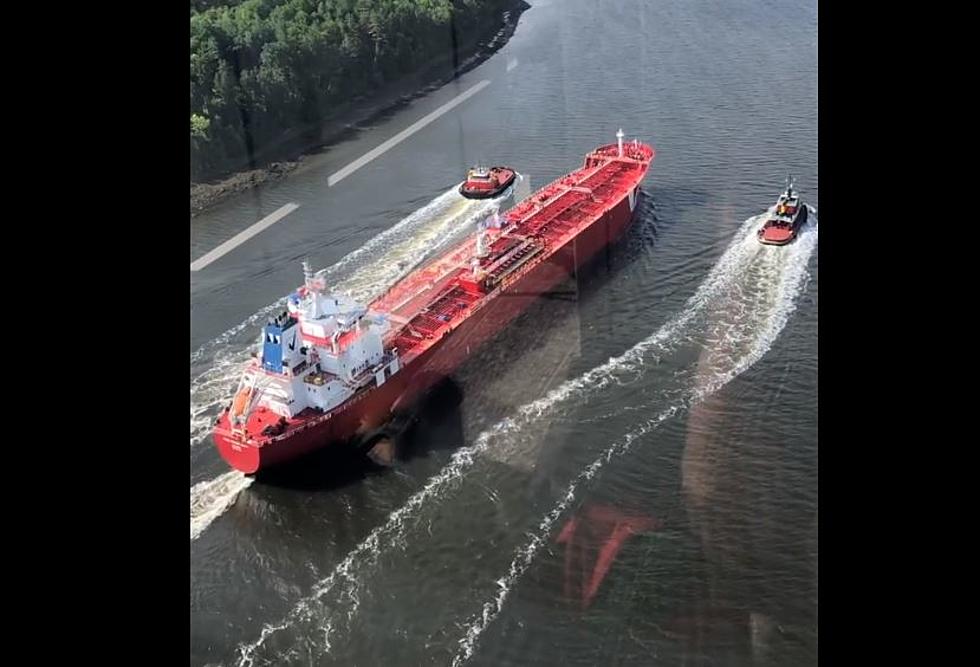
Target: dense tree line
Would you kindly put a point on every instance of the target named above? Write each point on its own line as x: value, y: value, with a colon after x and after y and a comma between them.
x: 262, y: 70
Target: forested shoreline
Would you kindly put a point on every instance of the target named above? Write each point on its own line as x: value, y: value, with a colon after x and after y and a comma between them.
x: 269, y: 73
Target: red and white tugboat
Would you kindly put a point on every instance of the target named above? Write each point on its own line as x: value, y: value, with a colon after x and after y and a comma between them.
x: 789, y: 215
x: 483, y: 183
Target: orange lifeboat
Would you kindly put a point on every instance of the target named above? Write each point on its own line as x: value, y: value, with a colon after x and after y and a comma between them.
x: 240, y: 403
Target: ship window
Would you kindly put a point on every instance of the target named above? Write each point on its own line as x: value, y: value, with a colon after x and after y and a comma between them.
x: 278, y: 339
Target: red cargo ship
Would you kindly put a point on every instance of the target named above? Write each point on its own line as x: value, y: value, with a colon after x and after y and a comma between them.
x: 332, y: 371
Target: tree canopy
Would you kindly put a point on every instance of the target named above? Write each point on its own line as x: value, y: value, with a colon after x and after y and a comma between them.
x: 262, y: 68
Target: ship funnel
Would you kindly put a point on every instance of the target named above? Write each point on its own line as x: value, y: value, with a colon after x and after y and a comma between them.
x: 619, y: 138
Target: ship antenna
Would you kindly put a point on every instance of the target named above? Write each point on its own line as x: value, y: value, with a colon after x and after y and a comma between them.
x: 307, y: 274
x: 481, y: 240
x: 619, y: 139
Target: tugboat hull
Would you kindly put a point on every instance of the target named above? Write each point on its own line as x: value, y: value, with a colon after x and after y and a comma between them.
x: 783, y: 236
x: 500, y: 179
x: 789, y: 214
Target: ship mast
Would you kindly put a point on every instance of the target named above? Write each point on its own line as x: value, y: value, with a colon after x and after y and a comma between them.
x: 307, y: 275
x: 496, y: 219
x: 313, y: 281
x: 619, y: 139
x: 481, y: 249
x: 481, y: 241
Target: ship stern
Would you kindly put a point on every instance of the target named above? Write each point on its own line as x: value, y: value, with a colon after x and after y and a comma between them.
x: 238, y: 455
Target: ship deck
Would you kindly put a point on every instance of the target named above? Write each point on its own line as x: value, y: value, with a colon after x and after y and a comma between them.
x: 435, y: 298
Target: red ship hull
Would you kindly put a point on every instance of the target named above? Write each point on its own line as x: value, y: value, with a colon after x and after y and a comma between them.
x: 362, y: 416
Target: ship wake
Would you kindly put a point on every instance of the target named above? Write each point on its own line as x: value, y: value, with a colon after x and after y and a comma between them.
x: 735, y: 315
x: 746, y: 324
x: 211, y: 498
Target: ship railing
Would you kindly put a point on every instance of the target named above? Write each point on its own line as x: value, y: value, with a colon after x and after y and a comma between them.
x: 363, y: 376
x: 503, y: 273
x: 515, y: 275
x: 324, y: 415
x: 298, y: 370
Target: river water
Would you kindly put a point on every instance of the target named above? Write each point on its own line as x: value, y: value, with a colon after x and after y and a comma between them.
x: 670, y: 389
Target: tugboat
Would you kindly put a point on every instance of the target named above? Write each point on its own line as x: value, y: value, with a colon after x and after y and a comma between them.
x: 789, y: 215
x: 484, y: 183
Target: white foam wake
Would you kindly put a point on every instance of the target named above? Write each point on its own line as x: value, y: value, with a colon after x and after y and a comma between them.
x: 784, y: 274
x: 740, y: 253
x: 211, y: 498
